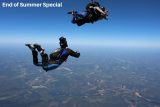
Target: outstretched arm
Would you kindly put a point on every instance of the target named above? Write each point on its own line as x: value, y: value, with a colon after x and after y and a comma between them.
x: 73, y: 53
x: 98, y: 9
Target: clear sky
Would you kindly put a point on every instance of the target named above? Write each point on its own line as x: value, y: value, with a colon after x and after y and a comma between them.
x: 131, y: 23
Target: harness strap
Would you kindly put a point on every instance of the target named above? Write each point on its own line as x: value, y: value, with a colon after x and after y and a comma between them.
x: 64, y: 52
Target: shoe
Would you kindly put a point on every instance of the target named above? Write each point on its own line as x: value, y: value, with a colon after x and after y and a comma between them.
x: 72, y: 12
x: 69, y: 12
x: 30, y: 46
x: 39, y: 48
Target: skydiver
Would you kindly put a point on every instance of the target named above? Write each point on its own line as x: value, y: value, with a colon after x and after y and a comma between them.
x: 59, y: 56
x: 96, y: 11
x: 95, y: 6
x: 92, y: 13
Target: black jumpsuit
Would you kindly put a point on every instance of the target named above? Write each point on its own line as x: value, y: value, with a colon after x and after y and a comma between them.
x: 56, y: 58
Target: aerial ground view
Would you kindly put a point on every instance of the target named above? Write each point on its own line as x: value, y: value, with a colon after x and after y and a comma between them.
x: 108, y: 55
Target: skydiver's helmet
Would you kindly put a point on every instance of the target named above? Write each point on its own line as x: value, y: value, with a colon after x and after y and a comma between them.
x: 63, y: 42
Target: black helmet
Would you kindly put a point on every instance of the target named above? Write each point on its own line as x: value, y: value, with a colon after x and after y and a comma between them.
x: 63, y: 42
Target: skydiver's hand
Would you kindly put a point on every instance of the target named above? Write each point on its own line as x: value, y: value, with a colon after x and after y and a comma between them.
x: 78, y: 54
x: 103, y: 14
x: 91, y: 7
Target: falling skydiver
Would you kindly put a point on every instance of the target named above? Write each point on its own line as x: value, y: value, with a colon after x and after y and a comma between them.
x: 92, y: 13
x: 59, y: 56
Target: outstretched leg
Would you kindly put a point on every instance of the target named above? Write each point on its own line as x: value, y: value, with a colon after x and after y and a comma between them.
x: 45, y: 61
x: 34, y: 54
x: 35, y: 57
x: 43, y: 55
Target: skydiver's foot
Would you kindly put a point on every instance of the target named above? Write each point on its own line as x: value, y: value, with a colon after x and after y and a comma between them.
x: 41, y: 51
x: 69, y: 12
x: 30, y: 46
x: 39, y: 48
x: 74, y: 13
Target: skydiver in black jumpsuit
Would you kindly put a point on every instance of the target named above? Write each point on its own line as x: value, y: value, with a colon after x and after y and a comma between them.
x: 56, y: 58
x: 93, y: 12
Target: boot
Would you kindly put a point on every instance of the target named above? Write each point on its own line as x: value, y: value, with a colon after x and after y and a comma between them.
x: 30, y: 46
x: 39, y: 48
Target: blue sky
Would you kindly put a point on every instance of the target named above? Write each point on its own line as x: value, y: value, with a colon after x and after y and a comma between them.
x: 131, y: 23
